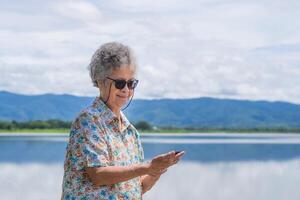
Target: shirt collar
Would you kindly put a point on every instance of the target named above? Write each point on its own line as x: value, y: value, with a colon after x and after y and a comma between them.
x: 108, y: 115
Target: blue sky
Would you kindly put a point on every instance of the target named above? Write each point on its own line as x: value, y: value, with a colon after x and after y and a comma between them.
x: 218, y: 48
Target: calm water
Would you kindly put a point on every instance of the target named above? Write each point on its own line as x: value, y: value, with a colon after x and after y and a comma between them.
x: 216, y: 166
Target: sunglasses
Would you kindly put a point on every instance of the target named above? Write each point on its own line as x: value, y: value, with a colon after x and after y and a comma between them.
x: 120, y: 83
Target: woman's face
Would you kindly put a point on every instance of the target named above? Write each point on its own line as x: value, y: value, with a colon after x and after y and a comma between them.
x: 117, y: 97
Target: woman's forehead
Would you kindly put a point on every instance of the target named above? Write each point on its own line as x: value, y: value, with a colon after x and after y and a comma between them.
x: 123, y: 72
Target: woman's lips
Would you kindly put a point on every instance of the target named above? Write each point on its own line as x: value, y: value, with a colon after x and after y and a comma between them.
x: 123, y: 97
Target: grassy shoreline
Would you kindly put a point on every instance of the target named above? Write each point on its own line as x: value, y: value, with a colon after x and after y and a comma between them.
x: 177, y: 131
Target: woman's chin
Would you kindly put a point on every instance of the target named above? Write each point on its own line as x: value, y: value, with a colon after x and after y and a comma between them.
x: 121, y: 101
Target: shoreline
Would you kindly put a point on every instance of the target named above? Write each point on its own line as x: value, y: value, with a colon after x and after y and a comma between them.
x: 165, y: 131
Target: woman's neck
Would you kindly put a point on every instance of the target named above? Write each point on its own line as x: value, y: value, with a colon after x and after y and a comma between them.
x: 115, y: 110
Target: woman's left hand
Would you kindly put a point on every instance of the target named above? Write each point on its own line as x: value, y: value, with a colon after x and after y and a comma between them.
x: 176, y: 158
x: 174, y: 161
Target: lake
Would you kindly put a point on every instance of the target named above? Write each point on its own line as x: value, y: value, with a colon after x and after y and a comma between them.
x: 215, y: 166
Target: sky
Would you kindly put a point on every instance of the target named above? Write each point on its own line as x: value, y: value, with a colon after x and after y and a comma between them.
x: 184, y: 48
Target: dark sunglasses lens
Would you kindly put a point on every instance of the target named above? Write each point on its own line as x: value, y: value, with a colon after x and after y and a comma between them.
x: 120, y: 84
x: 132, y: 84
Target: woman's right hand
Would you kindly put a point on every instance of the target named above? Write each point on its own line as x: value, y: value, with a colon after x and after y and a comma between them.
x: 160, y: 163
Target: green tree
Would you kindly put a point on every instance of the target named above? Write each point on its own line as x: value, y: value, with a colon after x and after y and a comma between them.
x: 6, y: 125
x: 143, y: 125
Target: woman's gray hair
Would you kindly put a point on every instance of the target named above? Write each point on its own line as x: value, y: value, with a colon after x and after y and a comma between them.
x: 110, y: 56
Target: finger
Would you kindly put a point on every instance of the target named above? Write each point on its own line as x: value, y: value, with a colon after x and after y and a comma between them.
x: 179, y: 154
x: 164, y: 171
x: 159, y: 171
x: 166, y: 155
x: 175, y: 161
x: 169, y: 157
x: 172, y: 158
x: 170, y: 154
x: 160, y: 157
x: 154, y: 174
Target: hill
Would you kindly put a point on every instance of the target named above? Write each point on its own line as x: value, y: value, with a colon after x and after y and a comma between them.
x: 202, y: 112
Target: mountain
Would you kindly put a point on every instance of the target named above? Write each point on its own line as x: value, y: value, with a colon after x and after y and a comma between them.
x: 197, y: 112
x: 40, y: 107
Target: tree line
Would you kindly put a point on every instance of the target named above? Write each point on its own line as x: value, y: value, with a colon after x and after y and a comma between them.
x: 36, y: 124
x: 54, y: 124
x: 141, y: 125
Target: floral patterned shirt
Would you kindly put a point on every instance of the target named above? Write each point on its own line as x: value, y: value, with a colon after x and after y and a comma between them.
x: 96, y: 141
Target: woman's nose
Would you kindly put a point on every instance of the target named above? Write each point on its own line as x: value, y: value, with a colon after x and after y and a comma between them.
x: 125, y: 89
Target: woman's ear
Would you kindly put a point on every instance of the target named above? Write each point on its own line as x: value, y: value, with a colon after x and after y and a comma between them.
x: 101, y: 85
x: 98, y: 83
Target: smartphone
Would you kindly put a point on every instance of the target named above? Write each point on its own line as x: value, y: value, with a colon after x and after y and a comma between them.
x: 177, y: 152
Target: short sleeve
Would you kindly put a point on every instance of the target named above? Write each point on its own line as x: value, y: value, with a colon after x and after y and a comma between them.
x: 88, y: 145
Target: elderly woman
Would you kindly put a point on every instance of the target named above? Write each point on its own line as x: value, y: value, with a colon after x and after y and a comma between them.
x: 105, y: 158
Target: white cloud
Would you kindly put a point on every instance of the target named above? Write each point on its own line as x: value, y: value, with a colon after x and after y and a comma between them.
x: 79, y: 10
x: 244, y: 50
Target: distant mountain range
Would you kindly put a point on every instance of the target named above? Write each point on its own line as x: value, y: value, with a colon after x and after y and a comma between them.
x: 197, y: 112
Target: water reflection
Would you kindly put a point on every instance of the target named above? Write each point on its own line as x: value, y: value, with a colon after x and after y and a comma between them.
x: 230, y: 181
x: 215, y: 167
x: 188, y: 180
x: 219, y: 147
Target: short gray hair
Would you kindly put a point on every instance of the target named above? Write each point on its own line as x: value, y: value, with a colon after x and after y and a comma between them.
x: 110, y: 56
